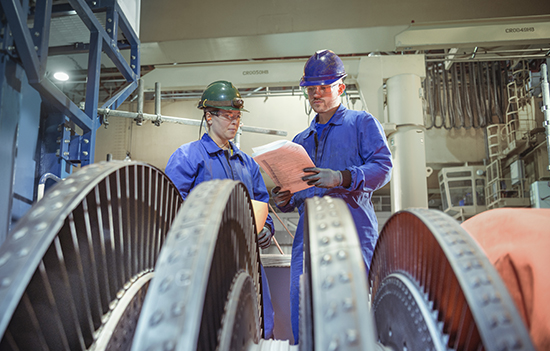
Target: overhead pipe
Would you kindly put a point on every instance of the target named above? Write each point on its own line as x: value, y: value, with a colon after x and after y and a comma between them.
x: 157, y: 118
x: 480, y: 57
x: 179, y: 120
x: 499, y: 52
x: 260, y: 93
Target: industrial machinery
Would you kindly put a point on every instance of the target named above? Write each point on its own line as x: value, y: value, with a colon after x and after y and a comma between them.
x: 77, y: 274
x: 75, y: 269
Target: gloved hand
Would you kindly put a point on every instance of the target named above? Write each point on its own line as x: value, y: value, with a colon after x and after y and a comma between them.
x: 281, y: 198
x: 323, y: 177
x: 264, y: 237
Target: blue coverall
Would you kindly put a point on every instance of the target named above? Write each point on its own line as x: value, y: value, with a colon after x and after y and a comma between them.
x: 352, y: 140
x: 203, y: 160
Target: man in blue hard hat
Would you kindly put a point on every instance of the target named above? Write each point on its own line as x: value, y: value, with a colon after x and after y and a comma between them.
x: 352, y: 158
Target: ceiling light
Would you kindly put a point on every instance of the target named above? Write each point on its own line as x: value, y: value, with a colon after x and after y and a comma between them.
x: 62, y: 76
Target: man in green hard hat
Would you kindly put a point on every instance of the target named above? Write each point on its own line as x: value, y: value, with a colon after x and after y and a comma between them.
x: 214, y: 156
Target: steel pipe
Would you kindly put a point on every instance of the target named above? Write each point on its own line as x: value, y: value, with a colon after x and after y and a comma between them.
x: 490, y: 58
x: 157, y: 98
x: 180, y: 120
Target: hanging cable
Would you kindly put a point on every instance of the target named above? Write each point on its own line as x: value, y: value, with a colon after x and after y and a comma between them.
x: 427, y: 101
x: 490, y: 112
x: 505, y: 85
x: 457, y: 100
x: 475, y: 103
x: 465, y: 90
x: 446, y: 102
x: 482, y: 98
x: 467, y: 96
x: 429, y: 94
x: 495, y: 100
x: 501, y: 88
x: 438, y: 102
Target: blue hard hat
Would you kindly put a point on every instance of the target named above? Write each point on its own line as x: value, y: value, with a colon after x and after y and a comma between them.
x: 323, y: 68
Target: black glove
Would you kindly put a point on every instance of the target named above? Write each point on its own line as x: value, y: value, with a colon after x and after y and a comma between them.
x: 281, y: 198
x: 323, y: 177
x: 264, y: 237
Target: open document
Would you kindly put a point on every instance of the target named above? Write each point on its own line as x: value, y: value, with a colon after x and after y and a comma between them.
x: 284, y: 161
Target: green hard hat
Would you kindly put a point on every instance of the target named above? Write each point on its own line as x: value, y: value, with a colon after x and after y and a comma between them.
x: 223, y: 95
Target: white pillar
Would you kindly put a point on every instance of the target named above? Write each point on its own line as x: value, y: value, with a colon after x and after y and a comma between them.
x: 408, y: 184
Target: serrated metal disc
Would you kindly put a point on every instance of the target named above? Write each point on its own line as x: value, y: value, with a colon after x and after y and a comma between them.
x: 211, y: 241
x: 66, y: 262
x: 404, y: 318
x: 241, y: 322
x: 334, y: 268
x: 452, y: 272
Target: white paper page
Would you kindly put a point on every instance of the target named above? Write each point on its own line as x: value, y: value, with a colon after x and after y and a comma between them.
x: 269, y: 147
x: 285, y: 165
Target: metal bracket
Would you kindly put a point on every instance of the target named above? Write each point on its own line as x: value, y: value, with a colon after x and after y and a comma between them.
x: 139, y: 119
x: 158, y: 121
x: 64, y: 142
x: 74, y: 149
x: 105, y: 120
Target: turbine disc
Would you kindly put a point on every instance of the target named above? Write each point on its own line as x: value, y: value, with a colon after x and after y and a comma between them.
x: 211, y: 242
x: 450, y: 271
x: 336, y: 278
x: 75, y: 254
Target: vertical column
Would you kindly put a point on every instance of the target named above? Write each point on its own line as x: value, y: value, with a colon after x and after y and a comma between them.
x: 157, y: 99
x: 87, y: 148
x: 141, y: 89
x: 408, y: 185
x: 10, y: 114
x: 546, y: 107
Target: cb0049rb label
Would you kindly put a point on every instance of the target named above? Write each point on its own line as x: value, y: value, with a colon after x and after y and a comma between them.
x: 520, y: 30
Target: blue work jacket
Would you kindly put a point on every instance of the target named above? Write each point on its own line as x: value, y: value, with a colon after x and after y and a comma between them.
x: 203, y: 160
x: 354, y: 141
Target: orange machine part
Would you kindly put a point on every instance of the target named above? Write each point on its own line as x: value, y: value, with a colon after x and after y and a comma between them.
x: 517, y: 242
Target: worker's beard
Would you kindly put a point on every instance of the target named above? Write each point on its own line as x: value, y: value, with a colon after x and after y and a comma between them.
x: 324, y: 104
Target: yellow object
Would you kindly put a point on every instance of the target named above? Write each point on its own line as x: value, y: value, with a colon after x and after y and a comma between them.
x: 260, y: 214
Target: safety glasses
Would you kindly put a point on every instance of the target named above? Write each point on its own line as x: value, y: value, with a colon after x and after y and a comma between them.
x: 321, y: 89
x: 228, y: 116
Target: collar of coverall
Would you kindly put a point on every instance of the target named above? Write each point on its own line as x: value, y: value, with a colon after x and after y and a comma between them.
x: 336, y: 119
x: 212, y: 148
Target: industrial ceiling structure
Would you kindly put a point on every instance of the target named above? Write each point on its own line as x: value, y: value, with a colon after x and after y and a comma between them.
x: 262, y: 35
